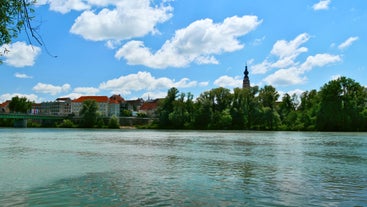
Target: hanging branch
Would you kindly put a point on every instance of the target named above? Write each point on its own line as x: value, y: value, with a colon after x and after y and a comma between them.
x: 15, y: 15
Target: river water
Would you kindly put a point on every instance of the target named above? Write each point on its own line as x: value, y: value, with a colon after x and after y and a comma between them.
x: 73, y: 167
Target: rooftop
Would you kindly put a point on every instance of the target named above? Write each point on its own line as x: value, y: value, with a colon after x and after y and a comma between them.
x: 99, y: 99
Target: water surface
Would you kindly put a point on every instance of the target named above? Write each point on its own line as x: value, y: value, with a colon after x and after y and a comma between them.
x: 73, y: 167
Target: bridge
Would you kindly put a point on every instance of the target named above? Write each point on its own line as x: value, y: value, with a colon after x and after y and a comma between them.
x: 30, y: 116
x: 20, y: 119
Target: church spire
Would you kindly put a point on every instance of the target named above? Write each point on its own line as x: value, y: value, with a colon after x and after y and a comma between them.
x: 246, y: 80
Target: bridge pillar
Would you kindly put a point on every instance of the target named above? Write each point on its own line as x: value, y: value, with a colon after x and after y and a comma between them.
x: 20, y: 123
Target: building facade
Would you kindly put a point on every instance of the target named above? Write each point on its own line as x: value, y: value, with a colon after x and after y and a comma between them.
x: 106, y: 107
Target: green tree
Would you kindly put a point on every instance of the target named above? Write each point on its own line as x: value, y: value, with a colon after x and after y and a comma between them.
x: 15, y: 15
x: 166, y: 107
x: 203, y: 111
x: 267, y: 99
x: 114, y: 123
x: 287, y: 111
x: 89, y: 113
x: 308, y: 110
x: 179, y: 117
x: 342, y: 102
x: 213, y: 109
x: 20, y: 104
x: 238, y: 108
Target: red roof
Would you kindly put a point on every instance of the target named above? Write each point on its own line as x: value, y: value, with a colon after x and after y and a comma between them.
x: 117, y: 98
x: 149, y: 106
x: 99, y: 99
x: 5, y: 104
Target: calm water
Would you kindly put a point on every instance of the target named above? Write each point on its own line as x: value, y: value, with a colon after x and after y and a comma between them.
x: 56, y: 167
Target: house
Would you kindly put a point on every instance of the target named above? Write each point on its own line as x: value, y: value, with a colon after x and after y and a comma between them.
x: 133, y: 105
x: 114, y: 108
x: 102, y: 101
x: 117, y: 104
x: 60, y: 107
x: 4, y: 107
x: 117, y: 98
x: 36, y: 108
x: 149, y: 107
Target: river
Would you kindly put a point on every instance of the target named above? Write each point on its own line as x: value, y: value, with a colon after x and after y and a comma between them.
x: 76, y: 167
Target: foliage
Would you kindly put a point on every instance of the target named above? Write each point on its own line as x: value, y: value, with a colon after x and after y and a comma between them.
x: 14, y: 17
x: 66, y: 123
x: 126, y: 112
x: 340, y: 105
x: 89, y: 113
x: 20, y: 104
x: 114, y: 123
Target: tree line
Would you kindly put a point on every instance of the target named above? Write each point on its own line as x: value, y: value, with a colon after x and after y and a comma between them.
x: 340, y: 105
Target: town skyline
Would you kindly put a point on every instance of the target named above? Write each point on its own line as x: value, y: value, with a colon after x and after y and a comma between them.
x: 141, y: 49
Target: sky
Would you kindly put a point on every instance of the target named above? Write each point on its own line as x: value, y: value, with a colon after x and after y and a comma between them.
x: 142, y: 48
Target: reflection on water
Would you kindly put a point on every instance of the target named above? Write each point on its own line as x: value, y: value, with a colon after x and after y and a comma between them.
x: 52, y: 167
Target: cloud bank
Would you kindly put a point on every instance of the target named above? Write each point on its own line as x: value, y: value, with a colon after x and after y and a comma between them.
x: 198, y: 43
x: 20, y: 54
x: 289, y: 71
x: 145, y: 81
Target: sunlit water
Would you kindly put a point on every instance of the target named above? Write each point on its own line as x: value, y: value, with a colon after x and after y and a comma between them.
x: 56, y: 167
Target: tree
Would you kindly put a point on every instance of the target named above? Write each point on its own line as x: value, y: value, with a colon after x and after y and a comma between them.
x: 89, y: 113
x: 166, y: 107
x: 308, y: 110
x: 114, y: 123
x: 267, y: 98
x: 15, y: 16
x: 287, y: 111
x: 342, y: 104
x: 20, y: 104
x: 213, y: 109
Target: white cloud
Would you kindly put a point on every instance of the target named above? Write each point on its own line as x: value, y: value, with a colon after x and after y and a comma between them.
x: 227, y: 81
x: 65, y: 6
x: 261, y: 68
x: 289, y: 70
x: 144, y: 81
x: 86, y: 90
x: 283, y: 77
x: 19, y: 54
x: 322, y: 5
x: 8, y: 96
x: 196, y: 43
x: 127, y: 20
x: 153, y: 95
x: 51, y: 89
x: 347, y: 42
x: 22, y: 75
x: 285, y: 51
x: 295, y: 74
x: 292, y: 49
x: 319, y: 60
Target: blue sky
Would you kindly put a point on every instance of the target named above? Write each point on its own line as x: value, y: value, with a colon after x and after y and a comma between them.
x: 142, y: 48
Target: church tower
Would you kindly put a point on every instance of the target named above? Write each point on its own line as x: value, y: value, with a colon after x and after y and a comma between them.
x: 246, y: 80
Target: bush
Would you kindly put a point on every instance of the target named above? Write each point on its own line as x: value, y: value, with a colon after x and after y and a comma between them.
x: 114, y: 123
x: 66, y: 123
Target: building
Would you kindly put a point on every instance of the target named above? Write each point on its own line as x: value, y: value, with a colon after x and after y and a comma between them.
x: 60, y: 107
x: 133, y: 105
x: 114, y: 108
x: 4, y: 107
x: 150, y: 107
x: 246, y: 79
x: 102, y: 101
x: 36, y: 108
